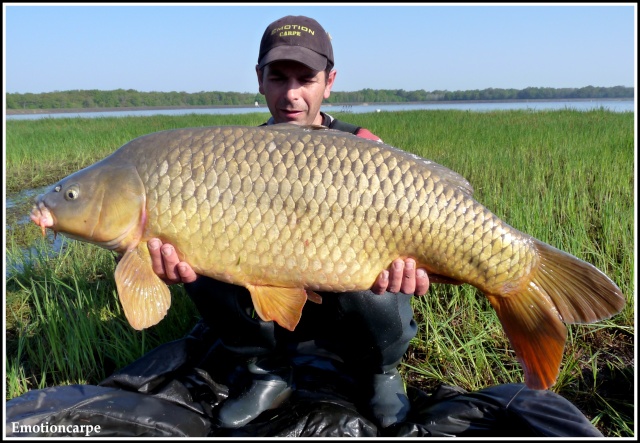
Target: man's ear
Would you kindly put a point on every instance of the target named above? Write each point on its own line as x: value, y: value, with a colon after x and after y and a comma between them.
x: 330, y: 79
x: 259, y: 74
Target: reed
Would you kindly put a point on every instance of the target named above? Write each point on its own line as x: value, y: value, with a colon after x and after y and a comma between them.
x: 565, y: 177
x: 40, y: 152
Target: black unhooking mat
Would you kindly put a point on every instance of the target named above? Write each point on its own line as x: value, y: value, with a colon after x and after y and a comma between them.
x: 167, y: 394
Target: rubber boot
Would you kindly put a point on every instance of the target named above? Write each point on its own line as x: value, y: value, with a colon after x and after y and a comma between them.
x: 268, y: 389
x: 389, y: 403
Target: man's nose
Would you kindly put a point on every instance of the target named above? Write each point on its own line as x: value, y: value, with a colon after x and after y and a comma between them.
x: 293, y: 90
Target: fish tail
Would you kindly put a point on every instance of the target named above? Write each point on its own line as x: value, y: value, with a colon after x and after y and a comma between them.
x: 561, y: 289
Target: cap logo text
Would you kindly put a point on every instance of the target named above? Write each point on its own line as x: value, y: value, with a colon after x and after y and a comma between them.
x: 292, y: 30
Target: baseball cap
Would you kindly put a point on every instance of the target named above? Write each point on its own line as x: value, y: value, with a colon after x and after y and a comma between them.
x: 296, y: 38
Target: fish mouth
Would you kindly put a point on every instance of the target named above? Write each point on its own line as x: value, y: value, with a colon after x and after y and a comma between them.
x: 41, y: 216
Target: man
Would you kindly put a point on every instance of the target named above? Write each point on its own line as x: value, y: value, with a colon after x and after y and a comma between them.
x: 295, y: 73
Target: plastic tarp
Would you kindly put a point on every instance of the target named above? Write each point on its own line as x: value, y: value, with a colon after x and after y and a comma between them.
x: 175, y: 390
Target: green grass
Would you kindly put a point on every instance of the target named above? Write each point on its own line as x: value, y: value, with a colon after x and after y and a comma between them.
x: 565, y: 177
x: 40, y: 152
x: 65, y: 324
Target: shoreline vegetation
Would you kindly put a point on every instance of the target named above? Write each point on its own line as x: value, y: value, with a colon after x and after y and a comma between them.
x: 91, y: 100
x: 262, y: 107
x: 565, y: 177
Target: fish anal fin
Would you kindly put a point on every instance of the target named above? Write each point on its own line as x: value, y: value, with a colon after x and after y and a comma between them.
x: 314, y: 297
x: 282, y: 305
x: 144, y: 297
x: 435, y: 278
x: 536, y: 333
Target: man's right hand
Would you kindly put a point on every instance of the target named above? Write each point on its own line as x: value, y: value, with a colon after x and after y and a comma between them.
x: 167, y: 265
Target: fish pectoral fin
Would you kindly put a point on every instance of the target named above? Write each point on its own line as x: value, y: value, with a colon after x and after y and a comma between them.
x: 282, y: 305
x: 144, y: 297
x: 314, y: 297
x: 536, y: 333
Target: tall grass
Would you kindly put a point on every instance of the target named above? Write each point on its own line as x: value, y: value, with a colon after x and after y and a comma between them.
x: 565, y: 177
x: 42, y: 151
x: 65, y: 324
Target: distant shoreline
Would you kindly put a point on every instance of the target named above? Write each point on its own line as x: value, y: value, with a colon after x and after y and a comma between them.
x: 263, y: 108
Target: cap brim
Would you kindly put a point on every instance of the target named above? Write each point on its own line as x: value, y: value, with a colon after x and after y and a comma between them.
x: 298, y: 54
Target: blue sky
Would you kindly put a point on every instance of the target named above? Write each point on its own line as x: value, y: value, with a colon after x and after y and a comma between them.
x: 211, y: 47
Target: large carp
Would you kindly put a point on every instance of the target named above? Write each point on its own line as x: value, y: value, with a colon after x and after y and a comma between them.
x: 286, y: 210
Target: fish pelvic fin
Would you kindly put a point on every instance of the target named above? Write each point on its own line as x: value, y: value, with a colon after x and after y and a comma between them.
x: 314, y: 297
x: 145, y: 298
x: 562, y: 289
x: 282, y: 305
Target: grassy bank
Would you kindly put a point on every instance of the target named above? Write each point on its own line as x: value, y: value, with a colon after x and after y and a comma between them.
x: 565, y: 177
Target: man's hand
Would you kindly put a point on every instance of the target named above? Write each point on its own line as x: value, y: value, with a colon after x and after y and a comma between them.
x: 402, y: 277
x: 165, y: 263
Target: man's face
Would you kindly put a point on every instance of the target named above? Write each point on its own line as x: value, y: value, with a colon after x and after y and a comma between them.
x: 294, y: 92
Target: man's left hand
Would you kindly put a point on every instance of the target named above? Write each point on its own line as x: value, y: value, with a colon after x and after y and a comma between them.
x: 402, y: 276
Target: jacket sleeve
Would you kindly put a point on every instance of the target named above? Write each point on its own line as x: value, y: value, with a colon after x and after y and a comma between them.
x: 365, y: 133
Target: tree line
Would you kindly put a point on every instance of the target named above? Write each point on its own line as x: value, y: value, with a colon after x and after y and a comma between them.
x: 121, y: 98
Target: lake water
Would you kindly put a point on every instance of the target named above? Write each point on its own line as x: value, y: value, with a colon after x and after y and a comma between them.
x: 580, y: 105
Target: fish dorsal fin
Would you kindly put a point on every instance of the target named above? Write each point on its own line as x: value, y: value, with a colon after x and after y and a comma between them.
x: 282, y: 305
x: 292, y: 127
x: 444, y: 174
x: 316, y: 128
x: 144, y: 297
x: 451, y: 177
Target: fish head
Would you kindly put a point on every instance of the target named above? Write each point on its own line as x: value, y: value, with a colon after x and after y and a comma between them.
x: 103, y: 204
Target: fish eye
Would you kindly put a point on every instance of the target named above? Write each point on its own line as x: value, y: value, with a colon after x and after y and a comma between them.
x: 71, y: 193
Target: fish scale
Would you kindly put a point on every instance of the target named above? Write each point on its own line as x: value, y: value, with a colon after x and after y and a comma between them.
x: 286, y: 210
x: 305, y: 165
